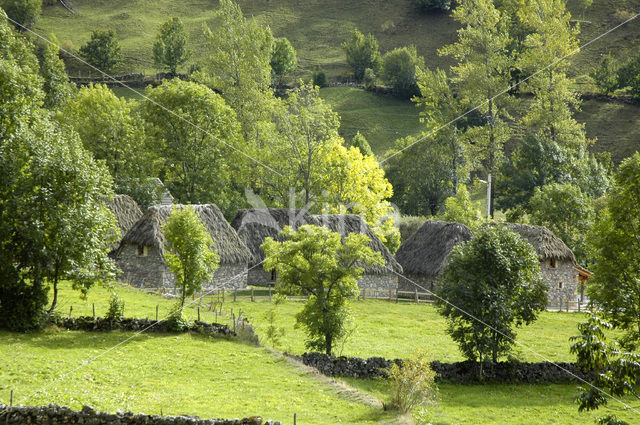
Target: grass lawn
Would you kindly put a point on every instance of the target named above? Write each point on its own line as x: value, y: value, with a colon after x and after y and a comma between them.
x: 382, y: 328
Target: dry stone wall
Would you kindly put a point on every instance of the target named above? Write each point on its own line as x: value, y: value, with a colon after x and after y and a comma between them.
x: 60, y: 415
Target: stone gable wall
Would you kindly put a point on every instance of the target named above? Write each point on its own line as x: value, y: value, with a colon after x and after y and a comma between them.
x: 564, y: 273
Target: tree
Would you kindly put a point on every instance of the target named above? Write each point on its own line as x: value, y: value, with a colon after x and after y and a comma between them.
x: 24, y: 12
x: 616, y: 372
x: 399, y: 70
x: 102, y: 51
x: 615, y: 246
x: 362, y: 53
x: 197, y: 143
x: 170, y: 48
x: 56, y: 87
x: 427, y: 6
x: 190, y: 254
x: 360, y: 142
x: 460, y: 209
x: 567, y: 212
x: 483, y: 71
x: 283, y: 59
x: 605, y: 75
x: 494, y: 283
x: 320, y: 264
x: 628, y: 76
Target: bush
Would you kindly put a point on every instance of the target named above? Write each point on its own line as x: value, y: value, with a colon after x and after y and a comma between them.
x: 115, y: 313
x: 319, y: 79
x: 24, y: 12
x: 605, y: 75
x: 399, y: 70
x: 427, y: 6
x: 412, y: 385
x: 22, y: 305
x: 369, y: 79
x: 628, y: 76
x: 102, y: 50
x: 176, y: 322
x: 362, y: 53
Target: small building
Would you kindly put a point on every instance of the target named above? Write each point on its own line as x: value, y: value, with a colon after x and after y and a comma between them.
x: 424, y: 255
x: 384, y: 277
x: 127, y: 213
x: 254, y: 226
x: 140, y: 255
x: 557, y: 262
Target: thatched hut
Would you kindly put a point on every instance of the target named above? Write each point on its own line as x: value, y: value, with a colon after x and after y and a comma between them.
x: 557, y: 262
x: 127, y: 213
x: 140, y: 255
x: 254, y: 226
x: 423, y: 256
x: 376, y: 277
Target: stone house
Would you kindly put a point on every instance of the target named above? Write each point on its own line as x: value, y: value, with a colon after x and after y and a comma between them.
x: 255, y: 225
x: 423, y: 256
x: 140, y: 255
x: 127, y: 213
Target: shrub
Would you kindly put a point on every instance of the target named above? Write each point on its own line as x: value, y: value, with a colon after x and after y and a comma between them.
x: 627, y: 76
x: 24, y: 12
x: 605, y: 75
x: 319, y: 79
x: 102, y: 50
x: 176, y: 322
x: 369, y: 79
x: 412, y: 385
x: 283, y: 59
x: 21, y: 304
x: 115, y: 312
x: 427, y: 6
x: 399, y: 70
x: 274, y: 332
x: 362, y: 53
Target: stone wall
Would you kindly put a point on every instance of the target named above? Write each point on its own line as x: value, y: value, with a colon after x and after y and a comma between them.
x: 99, y: 324
x: 382, y: 282
x: 423, y: 281
x: 565, y: 275
x: 60, y: 415
x: 260, y: 277
x: 151, y: 271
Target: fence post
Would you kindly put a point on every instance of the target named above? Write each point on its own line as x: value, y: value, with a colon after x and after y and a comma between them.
x: 270, y: 294
x: 252, y: 295
x: 70, y: 311
x: 396, y: 296
x: 198, y: 313
x: 223, y: 294
x: 156, y: 312
x: 235, y: 294
x: 390, y: 295
x: 416, y: 294
x: 364, y: 293
x: 11, y: 399
x: 94, y: 310
x: 295, y: 419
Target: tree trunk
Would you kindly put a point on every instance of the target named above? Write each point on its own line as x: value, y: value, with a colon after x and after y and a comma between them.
x: 328, y: 338
x: 494, y: 354
x: 55, y: 291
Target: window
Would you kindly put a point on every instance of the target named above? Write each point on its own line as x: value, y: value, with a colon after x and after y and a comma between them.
x: 553, y: 263
x: 142, y: 250
x: 273, y: 275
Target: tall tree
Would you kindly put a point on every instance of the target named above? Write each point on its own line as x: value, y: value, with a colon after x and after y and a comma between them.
x: 283, y: 59
x: 460, y: 209
x: 482, y: 73
x: 190, y: 254
x: 24, y: 12
x: 102, y: 50
x: 362, y: 52
x: 170, y: 48
x: 195, y: 134
x: 494, y: 283
x: 56, y: 87
x: 319, y: 263
x: 615, y: 244
x: 400, y: 68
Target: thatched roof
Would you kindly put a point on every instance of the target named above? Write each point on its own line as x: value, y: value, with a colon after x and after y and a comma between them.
x: 148, y: 231
x: 255, y: 225
x: 426, y: 251
x: 126, y: 210
x: 546, y: 244
x: 346, y: 224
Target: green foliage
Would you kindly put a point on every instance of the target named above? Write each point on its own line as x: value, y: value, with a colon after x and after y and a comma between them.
x: 197, y: 145
x: 408, y: 225
x: 369, y: 79
x: 170, y: 49
x: 399, y: 70
x: 283, y: 59
x: 615, y: 247
x: 102, y: 50
x: 190, y: 254
x: 605, y: 75
x: 427, y: 6
x: 176, y: 321
x: 22, y: 303
x: 360, y: 142
x: 616, y: 373
x: 567, y: 212
x: 274, y: 333
x: 115, y: 312
x: 56, y: 86
x: 319, y: 78
x: 628, y: 75
x: 494, y: 283
x: 145, y: 191
x: 317, y: 262
x: 24, y: 12
x: 362, y: 52
x: 412, y: 384
x: 460, y: 209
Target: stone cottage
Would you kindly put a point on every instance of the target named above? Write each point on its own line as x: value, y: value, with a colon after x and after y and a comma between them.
x: 140, y: 255
x: 557, y: 262
x: 377, y: 277
x: 255, y: 225
x: 127, y: 213
x: 423, y: 256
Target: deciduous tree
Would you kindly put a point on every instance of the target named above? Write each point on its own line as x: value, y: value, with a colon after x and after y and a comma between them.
x: 24, y: 12
x: 400, y: 69
x: 283, y: 59
x: 362, y: 53
x: 56, y: 86
x: 102, y: 50
x: 170, y: 48
x: 319, y: 263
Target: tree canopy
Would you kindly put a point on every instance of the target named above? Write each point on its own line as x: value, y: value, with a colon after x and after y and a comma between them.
x: 170, y: 48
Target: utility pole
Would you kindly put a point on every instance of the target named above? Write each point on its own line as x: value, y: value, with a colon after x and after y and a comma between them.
x: 489, y: 197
